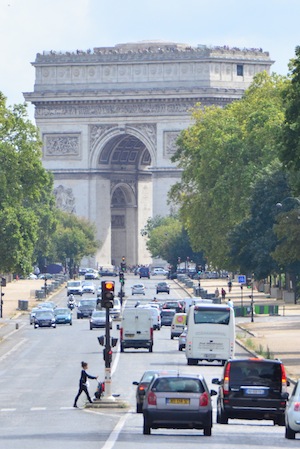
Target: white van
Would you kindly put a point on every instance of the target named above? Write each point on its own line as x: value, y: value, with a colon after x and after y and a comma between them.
x: 136, y: 329
x: 178, y: 324
x: 155, y: 316
x: 74, y: 288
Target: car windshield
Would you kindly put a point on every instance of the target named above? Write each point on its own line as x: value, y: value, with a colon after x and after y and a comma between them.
x: 62, y: 311
x: 178, y: 385
x: 44, y: 314
x: 87, y: 303
x: 99, y: 313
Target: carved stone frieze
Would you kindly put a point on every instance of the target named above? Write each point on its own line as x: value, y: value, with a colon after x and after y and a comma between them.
x: 62, y: 145
x: 126, y: 108
x: 98, y: 131
x: 170, y: 138
x: 65, y: 199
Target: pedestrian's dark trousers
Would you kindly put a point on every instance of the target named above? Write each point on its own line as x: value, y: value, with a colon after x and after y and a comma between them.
x: 81, y: 389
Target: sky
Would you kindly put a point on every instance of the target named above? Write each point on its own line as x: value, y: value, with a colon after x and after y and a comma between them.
x: 29, y: 27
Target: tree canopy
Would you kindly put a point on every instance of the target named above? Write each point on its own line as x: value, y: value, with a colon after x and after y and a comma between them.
x: 222, y: 154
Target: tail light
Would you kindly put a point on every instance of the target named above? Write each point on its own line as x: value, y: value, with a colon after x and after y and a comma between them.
x: 226, y: 379
x: 204, y: 400
x: 283, y: 380
x: 121, y: 334
x: 151, y: 333
x: 142, y: 387
x: 297, y: 407
x: 152, y: 398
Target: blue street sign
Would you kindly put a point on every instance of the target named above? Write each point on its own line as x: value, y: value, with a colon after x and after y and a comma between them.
x: 242, y: 279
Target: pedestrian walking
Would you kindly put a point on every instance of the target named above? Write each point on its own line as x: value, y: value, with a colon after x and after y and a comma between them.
x: 217, y: 293
x: 83, y: 383
x: 223, y: 294
x: 230, y: 303
x: 229, y: 285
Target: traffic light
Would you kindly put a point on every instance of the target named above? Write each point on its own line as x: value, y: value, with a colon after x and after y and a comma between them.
x: 121, y: 277
x: 123, y: 264
x: 108, y: 293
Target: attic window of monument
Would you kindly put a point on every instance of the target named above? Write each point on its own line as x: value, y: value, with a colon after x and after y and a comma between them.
x: 240, y: 70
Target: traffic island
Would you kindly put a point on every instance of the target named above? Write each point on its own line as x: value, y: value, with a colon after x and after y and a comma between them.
x: 106, y: 403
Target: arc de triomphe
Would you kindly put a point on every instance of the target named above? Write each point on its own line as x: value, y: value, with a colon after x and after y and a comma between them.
x: 109, y: 118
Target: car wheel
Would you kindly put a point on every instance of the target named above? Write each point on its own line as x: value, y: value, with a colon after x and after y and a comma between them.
x: 71, y: 323
x: 121, y: 348
x: 289, y: 433
x: 91, y: 328
x: 207, y: 431
x: 151, y: 348
x: 280, y: 421
x: 180, y: 348
x: 139, y: 408
x: 192, y: 362
x: 146, y: 427
x: 221, y: 417
x: 172, y: 337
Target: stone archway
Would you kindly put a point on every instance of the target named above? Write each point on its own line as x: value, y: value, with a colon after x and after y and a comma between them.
x: 127, y: 161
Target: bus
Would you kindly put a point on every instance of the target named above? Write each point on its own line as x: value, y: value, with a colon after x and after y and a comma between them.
x: 210, y: 333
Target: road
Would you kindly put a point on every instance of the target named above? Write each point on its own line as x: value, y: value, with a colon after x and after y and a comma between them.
x: 40, y: 371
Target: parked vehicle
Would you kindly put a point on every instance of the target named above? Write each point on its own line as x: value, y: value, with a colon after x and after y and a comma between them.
x: 98, y: 319
x: 143, y: 384
x: 211, y: 333
x: 252, y: 388
x: 178, y: 324
x: 63, y: 315
x: 136, y: 329
x: 44, y: 318
x: 86, y: 307
x: 178, y: 402
x: 292, y: 413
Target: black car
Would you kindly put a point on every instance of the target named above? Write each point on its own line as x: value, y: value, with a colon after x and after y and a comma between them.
x: 86, y: 307
x: 44, y: 318
x: 252, y: 389
x: 178, y: 402
x: 166, y: 317
x: 143, y: 384
x: 174, y: 304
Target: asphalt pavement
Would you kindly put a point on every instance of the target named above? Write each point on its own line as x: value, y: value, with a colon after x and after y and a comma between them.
x: 272, y: 335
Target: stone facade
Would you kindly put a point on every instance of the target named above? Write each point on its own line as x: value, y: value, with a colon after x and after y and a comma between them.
x: 109, y: 120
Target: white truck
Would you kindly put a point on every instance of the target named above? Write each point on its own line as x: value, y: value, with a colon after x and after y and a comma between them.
x: 136, y: 329
x: 74, y: 288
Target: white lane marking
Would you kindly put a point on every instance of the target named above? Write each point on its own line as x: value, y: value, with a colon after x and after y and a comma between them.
x: 21, y: 342
x: 115, y: 432
x: 37, y: 409
x: 8, y: 409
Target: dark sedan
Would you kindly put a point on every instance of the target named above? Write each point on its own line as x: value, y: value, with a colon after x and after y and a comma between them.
x: 98, y: 319
x: 44, y: 318
x: 166, y: 317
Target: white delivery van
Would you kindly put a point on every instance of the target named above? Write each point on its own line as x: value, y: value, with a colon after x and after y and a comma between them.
x: 156, y: 322
x: 74, y: 288
x: 136, y: 329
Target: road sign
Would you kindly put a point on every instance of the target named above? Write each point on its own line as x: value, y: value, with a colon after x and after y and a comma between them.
x: 242, y: 279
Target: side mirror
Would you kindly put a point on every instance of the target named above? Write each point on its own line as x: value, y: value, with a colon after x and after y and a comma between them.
x: 213, y: 392
x: 135, y: 383
x: 285, y: 396
x: 216, y: 381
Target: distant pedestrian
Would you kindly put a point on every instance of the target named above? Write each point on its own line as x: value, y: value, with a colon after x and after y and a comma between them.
x: 223, y: 294
x: 83, y: 383
x: 230, y: 303
x: 229, y: 285
x: 217, y: 293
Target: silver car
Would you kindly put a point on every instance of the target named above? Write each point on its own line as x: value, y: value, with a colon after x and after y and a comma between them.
x: 178, y: 402
x: 292, y: 413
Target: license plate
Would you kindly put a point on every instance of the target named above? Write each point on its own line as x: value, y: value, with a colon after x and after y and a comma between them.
x: 129, y: 335
x: 210, y: 356
x: 255, y: 392
x: 178, y: 401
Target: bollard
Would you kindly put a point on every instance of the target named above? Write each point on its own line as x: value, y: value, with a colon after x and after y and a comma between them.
x: 17, y: 325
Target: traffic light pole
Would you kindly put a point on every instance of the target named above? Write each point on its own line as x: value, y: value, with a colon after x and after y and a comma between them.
x: 108, y: 356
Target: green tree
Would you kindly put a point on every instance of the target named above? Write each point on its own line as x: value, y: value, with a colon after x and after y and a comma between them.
x: 26, y: 199
x: 74, y: 238
x: 222, y: 154
x: 290, y: 149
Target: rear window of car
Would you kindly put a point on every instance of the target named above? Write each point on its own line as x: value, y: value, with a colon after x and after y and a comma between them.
x: 167, y: 313
x: 255, y: 373
x: 178, y: 385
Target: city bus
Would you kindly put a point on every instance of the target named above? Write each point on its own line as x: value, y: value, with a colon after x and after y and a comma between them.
x: 210, y: 333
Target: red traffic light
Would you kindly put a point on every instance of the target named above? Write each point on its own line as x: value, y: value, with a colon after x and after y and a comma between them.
x: 108, y: 286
